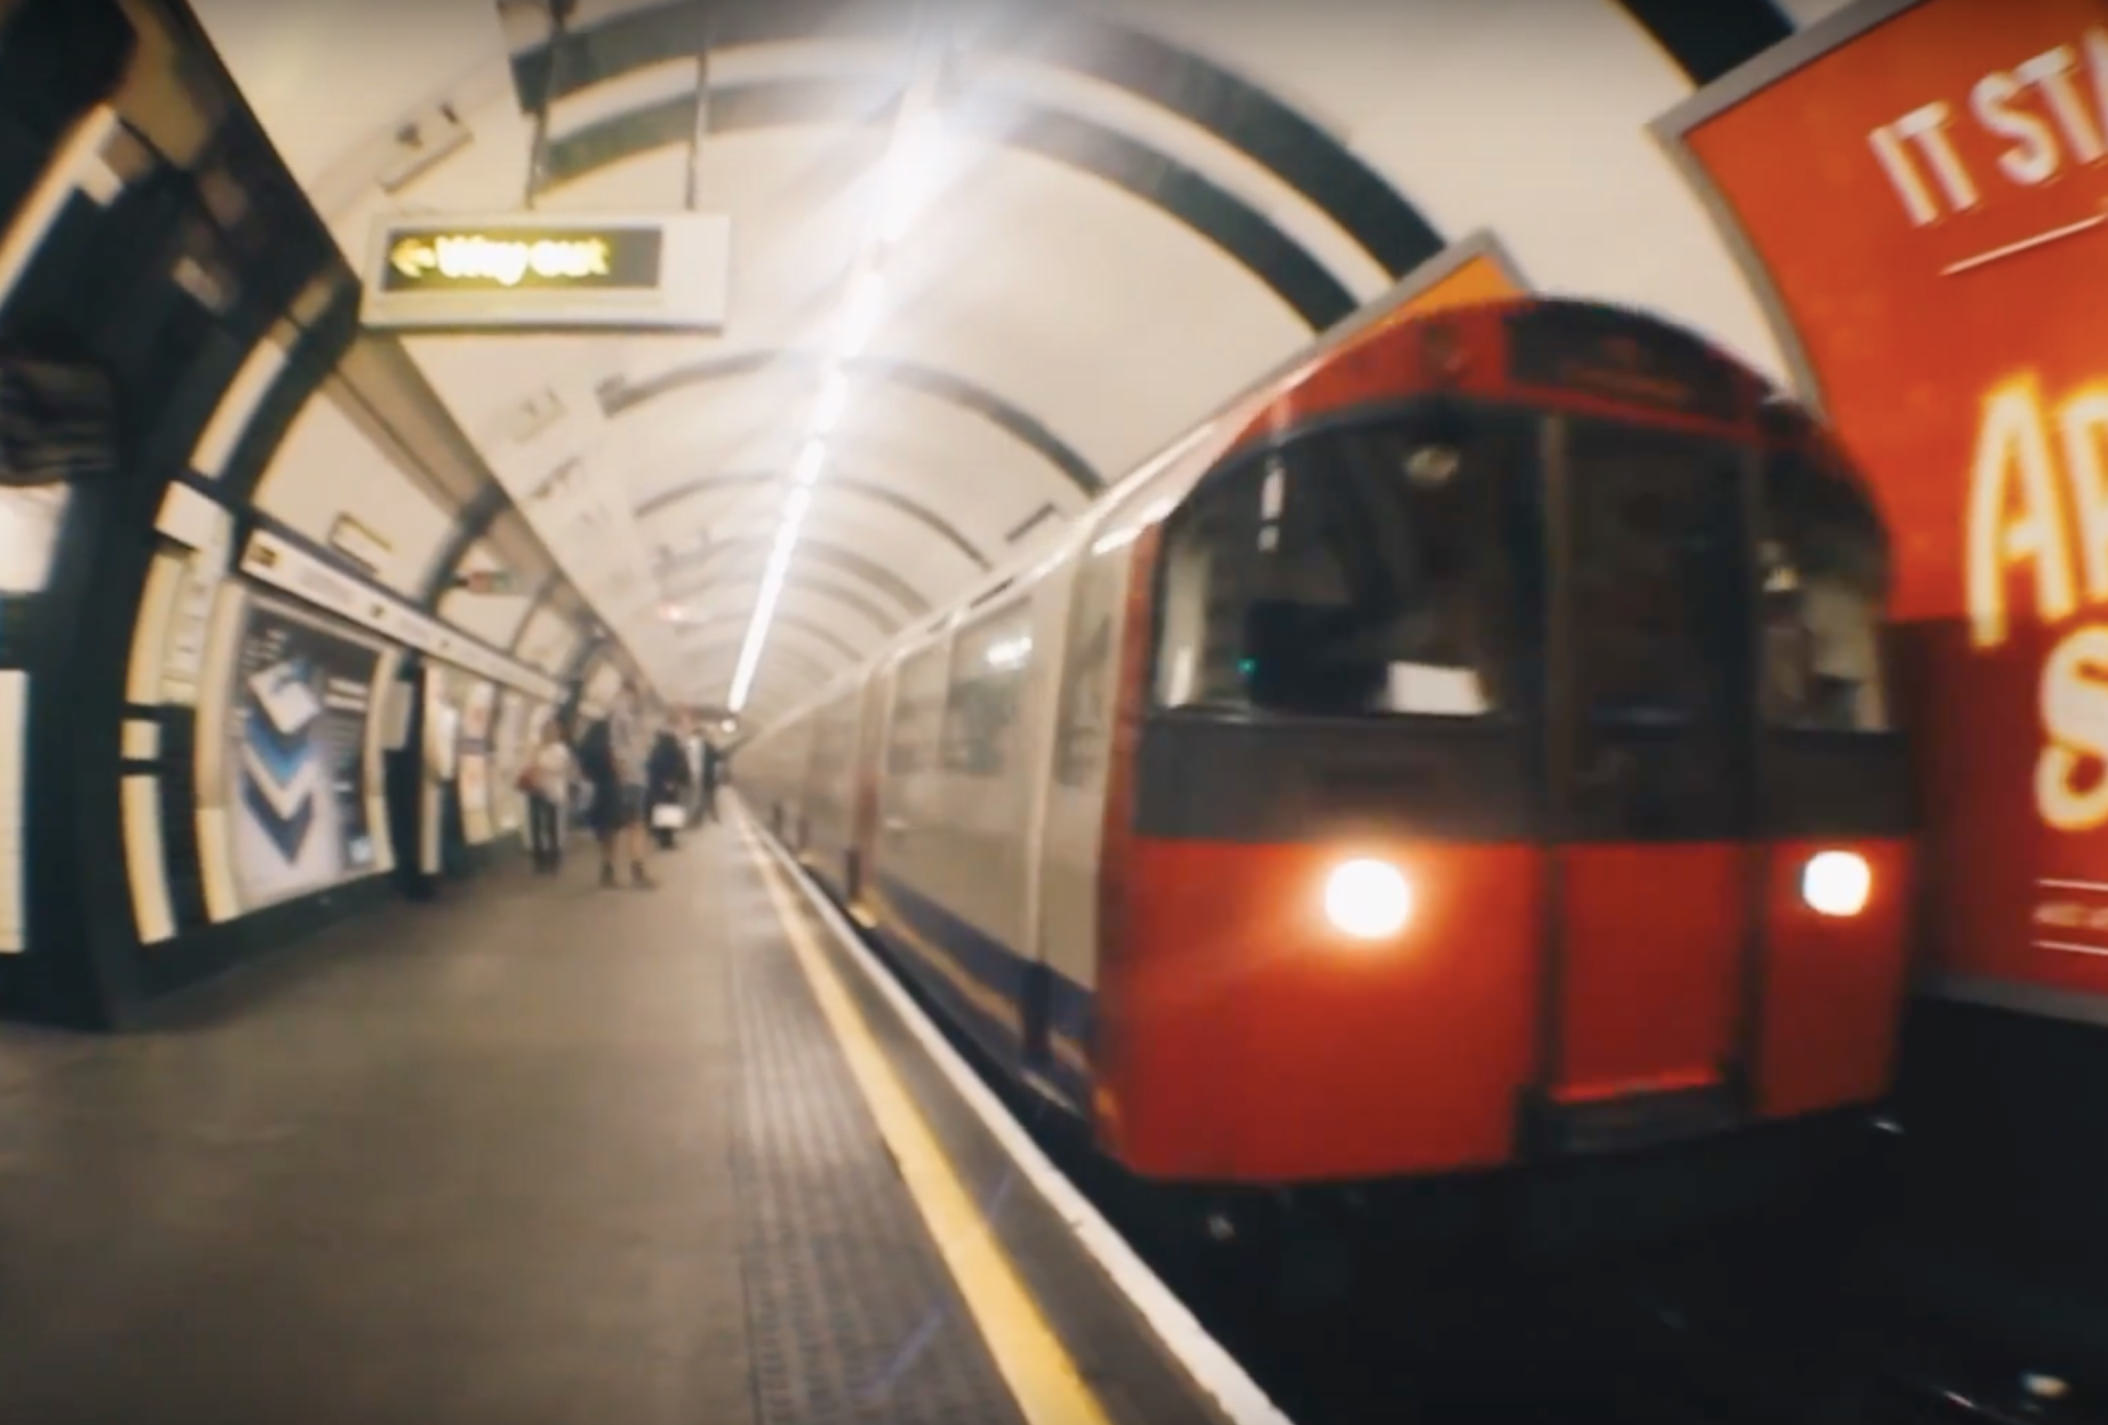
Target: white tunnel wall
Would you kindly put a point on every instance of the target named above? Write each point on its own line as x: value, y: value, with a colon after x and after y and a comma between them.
x: 326, y: 468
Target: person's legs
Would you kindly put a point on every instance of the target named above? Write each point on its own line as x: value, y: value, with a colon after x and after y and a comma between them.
x: 536, y: 845
x: 633, y: 833
x: 547, y: 835
x: 608, y: 823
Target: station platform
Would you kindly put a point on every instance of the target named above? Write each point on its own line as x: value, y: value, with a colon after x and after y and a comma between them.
x: 543, y: 1152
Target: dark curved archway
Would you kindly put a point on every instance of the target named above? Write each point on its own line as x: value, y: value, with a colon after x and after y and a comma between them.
x: 847, y: 484
x: 1212, y: 212
x: 1239, y: 113
x: 619, y: 396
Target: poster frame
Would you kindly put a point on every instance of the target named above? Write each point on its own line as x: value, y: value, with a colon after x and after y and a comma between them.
x: 1672, y: 130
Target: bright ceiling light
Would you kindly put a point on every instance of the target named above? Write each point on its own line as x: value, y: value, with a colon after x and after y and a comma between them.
x: 860, y: 320
x: 764, y: 611
x: 810, y: 459
x: 915, y: 169
x: 834, y: 397
x: 915, y: 162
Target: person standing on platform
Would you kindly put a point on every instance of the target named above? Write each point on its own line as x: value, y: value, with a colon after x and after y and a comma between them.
x: 713, y: 766
x: 629, y: 751
x: 692, y: 746
x: 548, y: 793
x: 669, y: 788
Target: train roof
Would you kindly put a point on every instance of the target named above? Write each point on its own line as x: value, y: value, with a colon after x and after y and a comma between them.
x: 1155, y: 487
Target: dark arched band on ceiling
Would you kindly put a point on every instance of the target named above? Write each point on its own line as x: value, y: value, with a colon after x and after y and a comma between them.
x: 471, y: 522
x: 818, y: 551
x: 544, y: 587
x: 619, y: 396
x: 803, y: 626
x: 1239, y: 113
x: 1246, y: 235
x: 802, y: 581
x: 837, y: 482
x: 1707, y: 41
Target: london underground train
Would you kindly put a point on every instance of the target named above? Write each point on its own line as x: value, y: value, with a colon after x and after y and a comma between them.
x: 1469, y: 749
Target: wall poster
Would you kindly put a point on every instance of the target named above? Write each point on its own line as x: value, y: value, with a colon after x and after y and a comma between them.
x: 478, y: 712
x: 1919, y: 192
x: 297, y: 756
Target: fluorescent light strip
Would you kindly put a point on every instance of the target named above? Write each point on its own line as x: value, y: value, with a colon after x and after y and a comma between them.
x: 915, y: 144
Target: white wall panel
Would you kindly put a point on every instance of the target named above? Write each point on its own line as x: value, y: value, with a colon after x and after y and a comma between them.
x: 326, y: 467
x: 1524, y: 116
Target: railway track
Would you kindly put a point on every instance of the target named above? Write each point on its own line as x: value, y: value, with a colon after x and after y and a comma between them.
x: 1344, y: 1320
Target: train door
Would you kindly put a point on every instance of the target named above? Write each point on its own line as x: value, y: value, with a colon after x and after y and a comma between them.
x: 1649, y: 780
x: 874, y: 695
x: 1088, y: 602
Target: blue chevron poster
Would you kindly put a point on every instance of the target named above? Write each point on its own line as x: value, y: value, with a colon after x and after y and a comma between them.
x: 301, y: 699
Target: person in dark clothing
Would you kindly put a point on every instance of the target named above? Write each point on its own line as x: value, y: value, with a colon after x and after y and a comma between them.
x: 670, y: 781
x: 622, y: 798
x: 713, y: 771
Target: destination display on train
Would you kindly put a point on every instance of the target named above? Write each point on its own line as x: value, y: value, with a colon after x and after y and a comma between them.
x: 1920, y: 192
x: 1597, y: 353
x: 467, y: 271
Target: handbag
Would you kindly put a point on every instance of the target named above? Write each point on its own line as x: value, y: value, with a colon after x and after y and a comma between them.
x: 668, y: 816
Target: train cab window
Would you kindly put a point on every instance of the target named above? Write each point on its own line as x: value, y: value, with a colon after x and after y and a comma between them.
x: 1655, y: 594
x: 1349, y: 572
x: 989, y: 660
x: 1824, y: 567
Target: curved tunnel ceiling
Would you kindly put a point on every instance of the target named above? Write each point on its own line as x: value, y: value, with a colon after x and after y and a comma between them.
x: 839, y: 483
x: 1237, y: 112
x: 619, y: 396
x: 1301, y: 282
x: 1234, y: 111
x: 1132, y: 178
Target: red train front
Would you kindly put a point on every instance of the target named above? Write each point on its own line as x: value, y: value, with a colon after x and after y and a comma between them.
x: 1469, y: 749
x: 1502, y: 767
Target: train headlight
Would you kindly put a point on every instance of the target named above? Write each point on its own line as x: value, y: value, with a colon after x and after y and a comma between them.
x: 1369, y: 900
x: 1837, y: 883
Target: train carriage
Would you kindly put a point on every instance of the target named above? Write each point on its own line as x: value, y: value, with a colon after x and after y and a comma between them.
x: 1470, y: 748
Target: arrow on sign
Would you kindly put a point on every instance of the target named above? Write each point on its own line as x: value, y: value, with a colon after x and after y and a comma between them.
x: 414, y: 258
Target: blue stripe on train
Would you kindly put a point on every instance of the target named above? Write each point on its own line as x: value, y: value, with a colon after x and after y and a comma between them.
x: 998, y: 968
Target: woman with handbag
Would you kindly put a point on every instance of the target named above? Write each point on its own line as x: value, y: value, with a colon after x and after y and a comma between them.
x: 668, y: 770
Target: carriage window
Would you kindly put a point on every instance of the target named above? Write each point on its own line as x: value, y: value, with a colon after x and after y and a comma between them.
x: 1082, y: 727
x: 1350, y: 572
x: 1655, y: 601
x: 988, y: 674
x: 918, y: 695
x: 1823, y: 562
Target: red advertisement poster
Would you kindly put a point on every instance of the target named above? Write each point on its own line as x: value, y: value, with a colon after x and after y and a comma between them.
x: 1919, y: 192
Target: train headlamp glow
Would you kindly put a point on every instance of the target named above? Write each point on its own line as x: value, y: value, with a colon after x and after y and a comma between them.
x: 1369, y: 900
x: 1837, y: 883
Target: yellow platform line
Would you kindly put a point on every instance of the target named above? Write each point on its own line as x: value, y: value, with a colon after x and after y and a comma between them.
x: 1041, y: 1374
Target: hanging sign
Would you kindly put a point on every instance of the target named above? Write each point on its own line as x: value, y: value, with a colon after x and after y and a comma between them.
x: 470, y: 271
